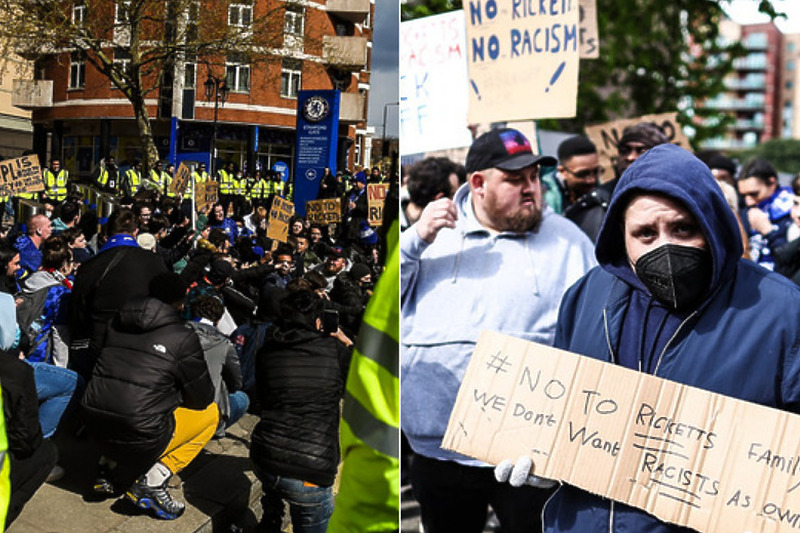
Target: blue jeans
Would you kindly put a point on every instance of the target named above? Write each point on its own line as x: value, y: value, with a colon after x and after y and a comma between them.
x: 310, y: 506
x: 59, y: 390
x: 239, y: 402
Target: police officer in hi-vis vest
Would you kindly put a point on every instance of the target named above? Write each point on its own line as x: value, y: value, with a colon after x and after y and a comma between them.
x: 55, y: 182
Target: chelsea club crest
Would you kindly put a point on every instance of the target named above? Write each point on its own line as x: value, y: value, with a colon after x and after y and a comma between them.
x: 315, y: 109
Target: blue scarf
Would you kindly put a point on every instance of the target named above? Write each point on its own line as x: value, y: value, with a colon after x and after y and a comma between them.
x: 120, y: 239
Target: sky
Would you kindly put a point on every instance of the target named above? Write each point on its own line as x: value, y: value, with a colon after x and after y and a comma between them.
x: 746, y: 12
x: 384, y: 87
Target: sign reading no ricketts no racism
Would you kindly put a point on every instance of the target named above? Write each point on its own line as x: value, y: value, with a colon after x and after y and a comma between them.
x: 522, y: 57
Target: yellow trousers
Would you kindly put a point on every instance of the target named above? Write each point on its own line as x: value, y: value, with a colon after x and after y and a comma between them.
x: 193, y: 430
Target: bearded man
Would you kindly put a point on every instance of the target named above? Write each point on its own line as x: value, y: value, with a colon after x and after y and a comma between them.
x: 493, y: 258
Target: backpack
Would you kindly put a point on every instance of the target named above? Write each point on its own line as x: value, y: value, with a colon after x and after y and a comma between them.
x: 29, y: 315
x: 247, y: 340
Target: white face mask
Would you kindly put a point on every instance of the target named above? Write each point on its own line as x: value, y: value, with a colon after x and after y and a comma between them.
x: 48, y: 214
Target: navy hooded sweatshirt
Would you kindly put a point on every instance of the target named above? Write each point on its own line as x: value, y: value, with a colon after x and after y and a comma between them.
x: 742, y: 340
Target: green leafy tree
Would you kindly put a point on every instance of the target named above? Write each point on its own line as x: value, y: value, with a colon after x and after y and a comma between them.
x: 784, y: 154
x: 655, y: 57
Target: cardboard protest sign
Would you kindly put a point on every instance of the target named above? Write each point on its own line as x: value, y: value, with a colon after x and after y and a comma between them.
x: 180, y: 180
x: 327, y: 211
x: 376, y: 197
x: 206, y: 194
x: 279, y: 216
x: 22, y: 174
x: 522, y: 59
x: 433, y: 70
x: 687, y: 456
x: 589, y: 40
x: 606, y: 137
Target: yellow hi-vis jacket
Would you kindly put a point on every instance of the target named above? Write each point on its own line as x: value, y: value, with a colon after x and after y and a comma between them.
x: 5, y: 468
x: 55, y: 185
x: 227, y: 181
x: 369, y: 491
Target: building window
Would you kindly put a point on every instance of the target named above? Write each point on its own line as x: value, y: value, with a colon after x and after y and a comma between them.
x: 789, y: 85
x: 77, y: 70
x: 291, y: 71
x: 238, y: 74
x: 79, y: 12
x: 293, y: 21
x: 121, y: 16
x: 122, y: 61
x: 189, y: 75
x: 790, y: 48
x: 240, y: 15
x: 790, y: 65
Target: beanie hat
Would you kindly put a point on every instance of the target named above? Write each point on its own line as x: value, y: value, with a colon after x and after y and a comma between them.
x: 647, y: 133
x: 219, y: 271
x: 361, y: 177
x: 723, y: 163
x: 359, y: 270
x: 366, y: 234
x: 146, y: 241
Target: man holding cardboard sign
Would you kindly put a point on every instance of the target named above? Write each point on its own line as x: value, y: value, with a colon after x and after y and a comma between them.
x: 493, y: 257
x: 673, y: 298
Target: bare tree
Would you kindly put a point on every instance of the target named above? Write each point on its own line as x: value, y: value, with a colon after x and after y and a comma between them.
x: 138, y: 44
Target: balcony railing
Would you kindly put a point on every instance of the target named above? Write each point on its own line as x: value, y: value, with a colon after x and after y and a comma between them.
x: 351, y: 108
x: 744, y: 124
x: 733, y: 104
x: 32, y: 94
x: 727, y: 144
x: 746, y: 85
x: 749, y: 63
x: 355, y: 11
x: 349, y: 53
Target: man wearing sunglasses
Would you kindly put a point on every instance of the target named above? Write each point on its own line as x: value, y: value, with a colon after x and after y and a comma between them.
x: 579, y: 168
x: 589, y: 211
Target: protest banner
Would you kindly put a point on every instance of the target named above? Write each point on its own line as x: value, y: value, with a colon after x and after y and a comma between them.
x: 606, y: 137
x: 522, y: 59
x: 376, y: 197
x: 327, y: 211
x: 687, y: 456
x: 180, y: 180
x: 589, y: 40
x: 279, y: 216
x: 22, y: 174
x: 206, y: 194
x: 433, y: 70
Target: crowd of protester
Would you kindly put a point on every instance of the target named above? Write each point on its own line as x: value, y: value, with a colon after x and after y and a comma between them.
x: 671, y: 254
x: 153, y: 331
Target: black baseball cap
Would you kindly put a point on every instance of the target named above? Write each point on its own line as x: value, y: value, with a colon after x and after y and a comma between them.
x: 506, y: 149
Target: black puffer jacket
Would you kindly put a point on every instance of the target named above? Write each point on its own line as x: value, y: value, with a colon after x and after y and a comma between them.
x: 102, y: 286
x: 151, y: 364
x: 300, y: 376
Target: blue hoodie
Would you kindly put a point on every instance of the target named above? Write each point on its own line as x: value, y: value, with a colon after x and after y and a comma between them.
x: 741, y: 341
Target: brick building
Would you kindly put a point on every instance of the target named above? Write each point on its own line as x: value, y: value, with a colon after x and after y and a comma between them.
x: 325, y: 45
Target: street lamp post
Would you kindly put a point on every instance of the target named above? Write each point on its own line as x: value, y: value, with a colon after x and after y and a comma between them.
x: 384, y: 148
x: 216, y: 88
x: 383, y: 129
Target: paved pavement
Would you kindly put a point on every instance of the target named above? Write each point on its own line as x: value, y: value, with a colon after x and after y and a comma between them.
x: 219, y: 488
